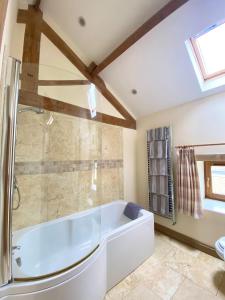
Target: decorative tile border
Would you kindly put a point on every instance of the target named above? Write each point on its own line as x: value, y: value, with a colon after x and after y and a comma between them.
x: 47, y: 167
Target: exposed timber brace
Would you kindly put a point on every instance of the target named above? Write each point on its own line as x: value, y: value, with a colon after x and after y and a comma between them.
x: 153, y: 21
x: 30, y: 76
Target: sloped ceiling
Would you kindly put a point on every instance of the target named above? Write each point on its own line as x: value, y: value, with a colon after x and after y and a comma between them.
x: 158, y: 65
x: 108, y: 22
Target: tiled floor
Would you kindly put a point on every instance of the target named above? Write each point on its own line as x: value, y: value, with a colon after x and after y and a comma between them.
x: 175, y: 271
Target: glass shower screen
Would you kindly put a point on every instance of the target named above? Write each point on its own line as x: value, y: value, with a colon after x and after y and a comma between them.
x: 57, y: 180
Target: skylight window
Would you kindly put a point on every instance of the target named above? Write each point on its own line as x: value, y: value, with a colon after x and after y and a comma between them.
x: 209, y: 48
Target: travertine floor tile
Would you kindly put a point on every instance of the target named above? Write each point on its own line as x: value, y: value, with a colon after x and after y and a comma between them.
x: 119, y: 291
x: 187, y: 249
x: 190, y: 291
x: 162, y: 236
x: 179, y: 260
x: 207, y: 272
x: 156, y: 276
x: 175, y: 271
x: 141, y: 293
x: 165, y: 282
x: 162, y: 247
x: 176, y: 244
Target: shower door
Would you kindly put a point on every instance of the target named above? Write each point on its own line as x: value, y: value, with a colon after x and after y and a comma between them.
x: 56, y: 216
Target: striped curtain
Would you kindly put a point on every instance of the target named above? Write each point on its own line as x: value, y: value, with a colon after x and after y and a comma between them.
x: 160, y: 179
x: 188, y: 186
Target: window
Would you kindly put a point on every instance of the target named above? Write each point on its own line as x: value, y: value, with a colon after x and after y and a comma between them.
x: 215, y: 180
x: 209, y: 49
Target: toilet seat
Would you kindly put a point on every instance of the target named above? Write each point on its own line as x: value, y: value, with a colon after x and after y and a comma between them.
x: 221, y: 242
x: 220, y: 246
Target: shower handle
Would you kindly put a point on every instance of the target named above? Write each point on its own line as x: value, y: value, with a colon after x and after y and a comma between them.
x: 16, y: 187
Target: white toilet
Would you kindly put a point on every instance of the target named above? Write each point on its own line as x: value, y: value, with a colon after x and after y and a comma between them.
x: 220, y: 246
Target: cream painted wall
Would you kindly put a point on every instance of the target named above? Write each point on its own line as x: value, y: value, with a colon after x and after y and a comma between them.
x: 7, y: 38
x: 129, y: 164
x: 5, y: 50
x: 197, y: 122
x: 10, y: 22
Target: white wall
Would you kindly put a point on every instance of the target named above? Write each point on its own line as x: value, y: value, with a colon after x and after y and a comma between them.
x: 198, y: 122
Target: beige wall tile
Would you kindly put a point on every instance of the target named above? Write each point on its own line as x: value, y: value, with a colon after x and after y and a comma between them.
x: 63, y: 139
x: 59, y: 198
x: 111, y: 185
x: 90, y: 139
x: 33, y: 209
x: 30, y: 137
x: 50, y: 196
x: 111, y: 149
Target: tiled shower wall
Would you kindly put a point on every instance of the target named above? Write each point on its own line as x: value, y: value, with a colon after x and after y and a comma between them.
x: 63, y: 165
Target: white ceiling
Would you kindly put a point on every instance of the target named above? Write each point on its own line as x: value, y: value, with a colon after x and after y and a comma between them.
x: 158, y: 65
x: 108, y: 22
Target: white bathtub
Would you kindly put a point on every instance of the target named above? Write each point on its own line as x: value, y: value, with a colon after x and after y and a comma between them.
x: 124, y: 245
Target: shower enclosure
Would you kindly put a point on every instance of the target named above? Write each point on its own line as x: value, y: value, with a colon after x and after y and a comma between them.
x: 60, y: 168
x: 57, y: 173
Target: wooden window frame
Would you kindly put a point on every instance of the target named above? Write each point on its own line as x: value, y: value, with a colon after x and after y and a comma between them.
x: 198, y: 55
x: 208, y: 180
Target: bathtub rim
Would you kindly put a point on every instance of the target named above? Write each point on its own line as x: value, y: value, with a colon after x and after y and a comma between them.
x: 142, y: 214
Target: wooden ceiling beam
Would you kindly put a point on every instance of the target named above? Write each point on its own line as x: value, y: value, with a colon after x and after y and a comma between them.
x: 31, y: 99
x: 31, y: 50
x: 92, y: 66
x: 62, y: 82
x: 78, y: 63
x: 37, y: 4
x: 162, y: 14
x: 24, y: 17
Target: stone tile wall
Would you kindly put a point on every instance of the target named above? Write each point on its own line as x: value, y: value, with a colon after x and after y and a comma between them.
x: 64, y: 165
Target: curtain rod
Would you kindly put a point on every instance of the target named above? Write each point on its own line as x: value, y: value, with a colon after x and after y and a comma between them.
x: 200, y: 145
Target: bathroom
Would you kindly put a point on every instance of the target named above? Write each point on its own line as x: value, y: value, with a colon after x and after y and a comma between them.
x: 112, y: 149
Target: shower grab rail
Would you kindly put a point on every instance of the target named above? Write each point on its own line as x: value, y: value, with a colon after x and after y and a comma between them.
x: 16, y: 187
x: 7, y: 168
